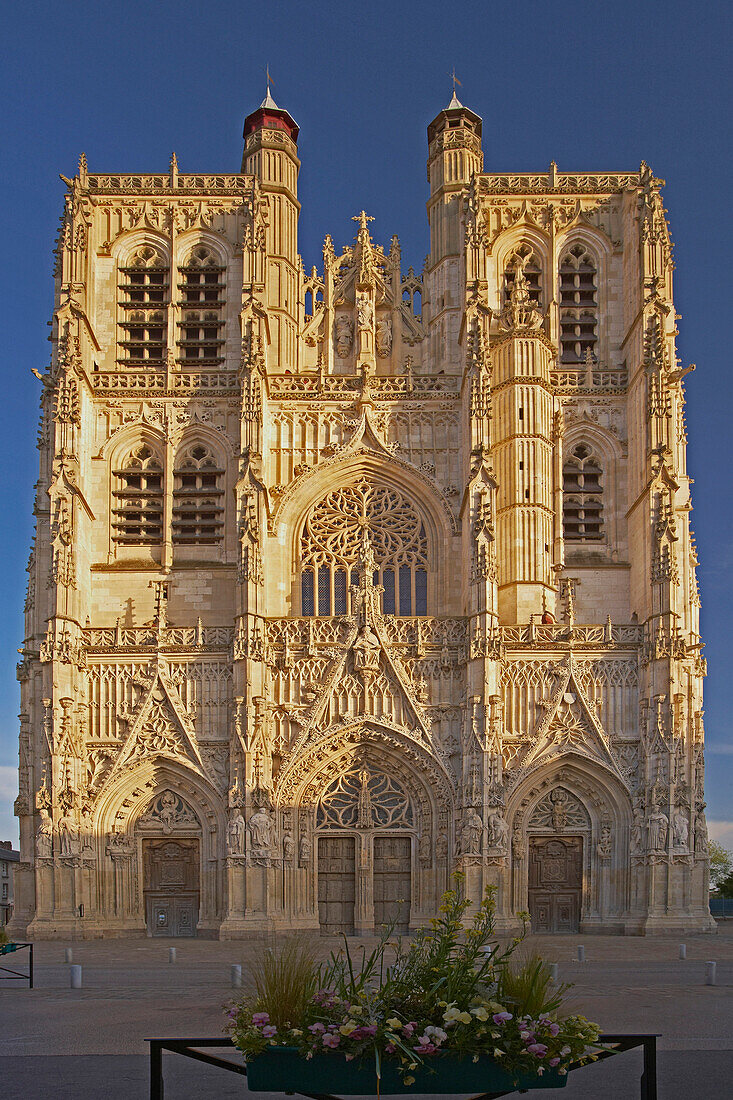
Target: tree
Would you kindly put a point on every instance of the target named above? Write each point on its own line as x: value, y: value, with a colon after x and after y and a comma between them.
x: 721, y: 864
x: 725, y: 888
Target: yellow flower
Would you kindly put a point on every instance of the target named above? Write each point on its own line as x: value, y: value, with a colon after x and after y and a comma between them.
x: 356, y: 1010
x: 394, y: 1022
x: 295, y: 1031
x: 480, y: 1013
x: 348, y: 1027
x: 409, y: 1080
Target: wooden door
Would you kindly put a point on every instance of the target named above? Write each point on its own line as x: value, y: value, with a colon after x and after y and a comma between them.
x: 392, y: 881
x: 555, y: 883
x: 336, y: 868
x: 171, y: 886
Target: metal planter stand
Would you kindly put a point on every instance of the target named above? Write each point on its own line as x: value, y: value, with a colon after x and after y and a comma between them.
x: 196, y: 1049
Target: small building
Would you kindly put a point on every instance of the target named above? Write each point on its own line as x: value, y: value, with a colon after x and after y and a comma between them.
x: 8, y: 857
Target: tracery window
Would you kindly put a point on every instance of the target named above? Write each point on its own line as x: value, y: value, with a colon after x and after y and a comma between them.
x: 137, y: 512
x: 331, y: 540
x: 364, y: 799
x: 525, y: 258
x: 144, y: 307
x: 578, y: 306
x: 201, y: 327
x: 198, y: 497
x: 582, y: 496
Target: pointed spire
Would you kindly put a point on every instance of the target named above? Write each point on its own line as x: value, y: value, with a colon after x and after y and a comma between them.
x: 269, y: 103
x: 455, y: 103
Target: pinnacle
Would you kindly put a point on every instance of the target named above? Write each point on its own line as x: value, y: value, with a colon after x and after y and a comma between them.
x: 269, y: 102
x: 455, y: 103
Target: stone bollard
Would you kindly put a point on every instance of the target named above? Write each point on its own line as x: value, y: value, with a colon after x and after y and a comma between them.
x: 171, y: 954
x: 683, y: 950
x: 553, y: 972
x: 581, y: 953
x: 709, y: 973
x: 75, y: 972
x: 68, y: 955
x: 236, y: 977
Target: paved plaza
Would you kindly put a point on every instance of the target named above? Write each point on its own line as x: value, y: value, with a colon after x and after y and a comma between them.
x: 89, y: 1043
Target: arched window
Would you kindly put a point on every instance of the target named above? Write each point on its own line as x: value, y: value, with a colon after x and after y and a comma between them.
x: 198, y: 497
x: 137, y: 512
x: 201, y: 327
x: 144, y: 308
x: 523, y: 257
x: 332, y: 538
x: 578, y: 306
x: 582, y: 496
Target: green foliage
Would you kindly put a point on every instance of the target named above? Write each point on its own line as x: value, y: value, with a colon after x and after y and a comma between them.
x: 725, y: 888
x: 526, y: 984
x: 285, y: 979
x: 721, y: 865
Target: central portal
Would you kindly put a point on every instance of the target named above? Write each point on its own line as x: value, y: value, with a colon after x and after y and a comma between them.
x: 555, y: 883
x: 364, y: 882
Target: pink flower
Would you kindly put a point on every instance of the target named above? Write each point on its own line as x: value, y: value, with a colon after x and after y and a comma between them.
x: 317, y: 1028
x: 390, y: 1049
x: 330, y: 1040
x: 538, y: 1049
x: 554, y: 1062
x: 369, y: 1029
x: 350, y: 1057
x: 260, y: 1018
x: 501, y: 1017
x: 269, y: 1031
x: 409, y: 1028
x: 425, y: 1047
x: 554, y: 1029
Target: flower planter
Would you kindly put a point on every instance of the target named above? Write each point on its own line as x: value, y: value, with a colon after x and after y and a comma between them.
x: 284, y: 1069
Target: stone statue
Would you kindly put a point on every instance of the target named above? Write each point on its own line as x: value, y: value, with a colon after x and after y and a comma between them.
x: 701, y: 833
x: 364, y: 311
x: 559, y: 809
x: 680, y: 829
x: 658, y: 827
x: 603, y: 848
x: 425, y: 849
x: 344, y: 335
x: 68, y: 835
x: 518, y: 847
x: 441, y: 847
x: 44, y: 837
x: 384, y: 337
x: 260, y: 830
x: 498, y: 830
x: 304, y: 855
x: 471, y: 832
x: 235, y: 834
x: 288, y: 847
x: 366, y: 649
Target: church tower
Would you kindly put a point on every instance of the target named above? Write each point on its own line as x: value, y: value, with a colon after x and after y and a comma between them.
x: 271, y: 157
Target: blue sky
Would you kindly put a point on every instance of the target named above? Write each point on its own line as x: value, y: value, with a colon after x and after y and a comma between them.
x: 592, y: 86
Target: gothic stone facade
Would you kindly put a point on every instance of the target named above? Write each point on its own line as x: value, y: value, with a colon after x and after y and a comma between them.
x: 344, y: 580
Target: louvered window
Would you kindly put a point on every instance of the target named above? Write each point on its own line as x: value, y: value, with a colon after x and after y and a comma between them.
x: 144, y: 308
x: 582, y: 496
x: 137, y: 512
x: 198, y: 498
x: 578, y: 306
x: 201, y: 325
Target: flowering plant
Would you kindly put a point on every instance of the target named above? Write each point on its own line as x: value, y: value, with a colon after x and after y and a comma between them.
x: 451, y: 991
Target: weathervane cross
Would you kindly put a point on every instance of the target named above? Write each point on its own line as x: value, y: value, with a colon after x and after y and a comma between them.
x: 455, y: 80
